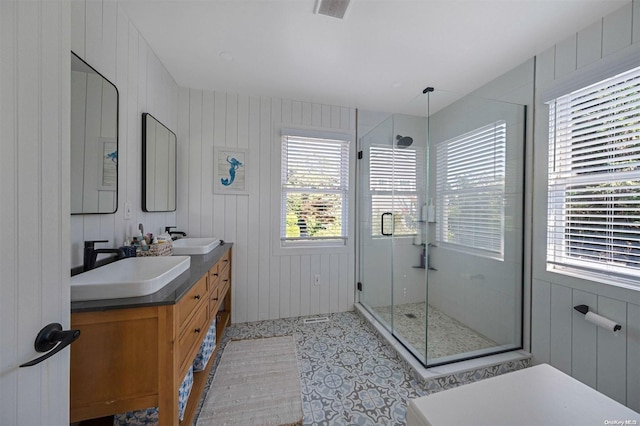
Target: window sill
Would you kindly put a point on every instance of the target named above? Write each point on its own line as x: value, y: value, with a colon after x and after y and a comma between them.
x: 602, y: 279
x: 310, y: 248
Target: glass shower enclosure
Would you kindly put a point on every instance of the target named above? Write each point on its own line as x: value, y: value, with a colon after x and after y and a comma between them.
x: 440, y: 213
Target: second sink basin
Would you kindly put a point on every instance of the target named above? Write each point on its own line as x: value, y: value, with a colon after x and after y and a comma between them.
x: 130, y: 277
x: 186, y: 246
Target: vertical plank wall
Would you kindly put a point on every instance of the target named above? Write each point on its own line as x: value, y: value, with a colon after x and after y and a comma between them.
x: 265, y: 285
x: 560, y: 335
x: 34, y: 206
x: 103, y: 36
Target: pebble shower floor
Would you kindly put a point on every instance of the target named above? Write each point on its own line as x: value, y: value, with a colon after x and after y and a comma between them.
x: 349, y: 376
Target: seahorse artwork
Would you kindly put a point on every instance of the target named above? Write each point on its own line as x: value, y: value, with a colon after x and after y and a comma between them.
x: 113, y: 156
x: 235, y: 164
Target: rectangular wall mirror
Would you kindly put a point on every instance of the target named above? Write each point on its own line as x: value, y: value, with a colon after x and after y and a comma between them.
x: 94, y: 140
x: 158, y: 166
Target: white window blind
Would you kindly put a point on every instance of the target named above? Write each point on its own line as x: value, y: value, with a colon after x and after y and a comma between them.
x: 394, y: 180
x: 470, y: 185
x: 315, y: 183
x: 594, y: 178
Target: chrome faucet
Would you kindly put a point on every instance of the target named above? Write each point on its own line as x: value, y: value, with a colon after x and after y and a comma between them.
x: 91, y: 253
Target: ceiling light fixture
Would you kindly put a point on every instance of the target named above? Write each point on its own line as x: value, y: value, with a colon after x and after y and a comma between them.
x: 333, y: 8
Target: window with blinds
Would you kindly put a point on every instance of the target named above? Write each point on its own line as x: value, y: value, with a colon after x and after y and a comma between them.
x: 315, y: 183
x: 594, y: 179
x: 470, y: 185
x: 394, y: 180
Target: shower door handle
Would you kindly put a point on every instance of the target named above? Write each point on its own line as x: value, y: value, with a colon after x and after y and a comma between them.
x: 382, y: 223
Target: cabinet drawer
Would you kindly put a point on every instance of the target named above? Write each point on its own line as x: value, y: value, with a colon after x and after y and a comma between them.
x: 224, y: 262
x: 225, y: 288
x: 189, y: 303
x: 213, y: 273
x: 214, y: 299
x: 192, y: 337
x: 225, y: 280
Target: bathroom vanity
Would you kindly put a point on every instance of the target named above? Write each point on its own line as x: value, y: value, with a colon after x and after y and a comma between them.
x: 133, y: 353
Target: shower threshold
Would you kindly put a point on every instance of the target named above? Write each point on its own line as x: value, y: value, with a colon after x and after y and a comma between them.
x: 456, y: 373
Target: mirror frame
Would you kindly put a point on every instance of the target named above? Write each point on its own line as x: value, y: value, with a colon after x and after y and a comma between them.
x: 146, y: 177
x: 117, y: 133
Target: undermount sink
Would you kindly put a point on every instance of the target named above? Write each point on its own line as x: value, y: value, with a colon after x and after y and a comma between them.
x: 186, y: 246
x: 129, y: 277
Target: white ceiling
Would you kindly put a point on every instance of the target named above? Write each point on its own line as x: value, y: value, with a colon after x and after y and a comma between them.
x: 380, y: 57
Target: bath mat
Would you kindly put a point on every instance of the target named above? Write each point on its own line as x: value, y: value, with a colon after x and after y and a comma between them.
x: 256, y: 383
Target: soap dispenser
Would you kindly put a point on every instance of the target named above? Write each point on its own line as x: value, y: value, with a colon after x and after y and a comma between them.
x: 431, y: 211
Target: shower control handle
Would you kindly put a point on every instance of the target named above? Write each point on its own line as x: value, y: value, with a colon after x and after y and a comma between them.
x: 382, y: 223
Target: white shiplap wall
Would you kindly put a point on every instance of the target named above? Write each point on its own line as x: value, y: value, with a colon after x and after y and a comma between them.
x: 103, y: 36
x: 560, y: 335
x: 265, y: 285
x: 34, y: 207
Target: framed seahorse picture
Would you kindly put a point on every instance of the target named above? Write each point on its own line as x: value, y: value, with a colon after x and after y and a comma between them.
x: 230, y: 170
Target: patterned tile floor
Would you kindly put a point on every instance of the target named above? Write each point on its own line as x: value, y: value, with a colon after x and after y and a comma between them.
x: 349, y: 376
x: 446, y: 335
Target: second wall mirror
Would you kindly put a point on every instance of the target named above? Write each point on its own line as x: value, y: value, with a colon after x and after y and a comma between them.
x: 94, y: 141
x: 158, y: 166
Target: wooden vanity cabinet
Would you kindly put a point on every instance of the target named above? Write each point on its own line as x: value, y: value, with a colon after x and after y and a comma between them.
x: 136, y: 358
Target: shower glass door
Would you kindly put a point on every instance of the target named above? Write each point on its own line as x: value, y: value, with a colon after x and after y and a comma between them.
x: 375, y: 248
x: 392, y: 249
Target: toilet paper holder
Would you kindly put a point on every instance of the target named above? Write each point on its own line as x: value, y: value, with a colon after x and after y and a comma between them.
x: 599, y: 320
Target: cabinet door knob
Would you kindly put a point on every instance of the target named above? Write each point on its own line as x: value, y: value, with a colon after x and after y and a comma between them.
x: 197, y: 330
x: 215, y: 275
x: 215, y: 298
x: 197, y: 297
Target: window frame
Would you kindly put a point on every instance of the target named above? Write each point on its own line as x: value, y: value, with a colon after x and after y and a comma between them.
x: 309, y: 246
x: 564, y: 179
